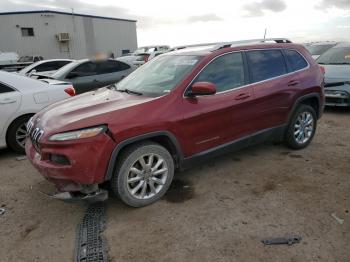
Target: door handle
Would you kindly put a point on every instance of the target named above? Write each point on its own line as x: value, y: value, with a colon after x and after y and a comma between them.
x: 293, y: 83
x: 7, y: 101
x: 242, y: 96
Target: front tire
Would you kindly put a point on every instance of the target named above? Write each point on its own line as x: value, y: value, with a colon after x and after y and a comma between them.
x: 17, y: 134
x: 301, y: 128
x: 144, y: 174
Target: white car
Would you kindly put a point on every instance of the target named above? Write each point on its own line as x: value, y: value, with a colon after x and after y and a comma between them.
x: 51, y: 65
x: 20, y: 98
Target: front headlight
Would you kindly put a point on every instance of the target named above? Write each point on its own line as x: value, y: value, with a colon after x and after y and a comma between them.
x: 78, y: 134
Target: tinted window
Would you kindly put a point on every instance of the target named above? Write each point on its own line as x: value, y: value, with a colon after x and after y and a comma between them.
x: 5, y: 88
x: 296, y: 61
x: 86, y: 69
x: 226, y: 72
x: 111, y: 66
x: 265, y: 64
x: 49, y: 66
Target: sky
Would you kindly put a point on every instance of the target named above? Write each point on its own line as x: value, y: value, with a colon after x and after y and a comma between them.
x: 191, y: 22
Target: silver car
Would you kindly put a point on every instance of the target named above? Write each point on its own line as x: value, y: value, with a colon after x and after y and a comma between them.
x: 336, y: 62
x: 50, y: 65
x: 87, y: 75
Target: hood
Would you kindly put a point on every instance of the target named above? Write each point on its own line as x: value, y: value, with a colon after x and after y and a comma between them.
x: 89, y: 109
x: 128, y: 58
x: 336, y: 73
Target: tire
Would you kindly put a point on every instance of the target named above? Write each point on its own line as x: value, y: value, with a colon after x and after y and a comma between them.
x: 17, y: 127
x: 132, y: 181
x: 300, y: 122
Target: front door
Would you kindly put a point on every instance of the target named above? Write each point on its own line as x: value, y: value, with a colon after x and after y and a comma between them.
x: 213, y: 120
x: 10, y: 100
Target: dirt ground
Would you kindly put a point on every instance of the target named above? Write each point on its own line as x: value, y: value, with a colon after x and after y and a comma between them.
x: 219, y: 211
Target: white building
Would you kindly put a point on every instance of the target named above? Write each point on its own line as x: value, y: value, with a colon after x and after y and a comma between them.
x: 53, y: 34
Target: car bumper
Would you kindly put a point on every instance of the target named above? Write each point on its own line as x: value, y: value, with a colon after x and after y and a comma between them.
x: 85, y: 162
x: 337, y: 98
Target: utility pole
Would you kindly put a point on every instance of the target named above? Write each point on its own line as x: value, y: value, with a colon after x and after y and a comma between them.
x: 265, y: 33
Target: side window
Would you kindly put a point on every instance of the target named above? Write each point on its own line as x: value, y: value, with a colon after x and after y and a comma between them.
x: 295, y: 60
x: 49, y: 66
x: 62, y: 63
x: 226, y: 72
x: 111, y: 66
x: 265, y: 64
x: 86, y: 69
x: 5, y: 88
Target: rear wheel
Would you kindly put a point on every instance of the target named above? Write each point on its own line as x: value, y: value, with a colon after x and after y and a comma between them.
x: 17, y: 134
x: 143, y: 175
x: 302, y: 127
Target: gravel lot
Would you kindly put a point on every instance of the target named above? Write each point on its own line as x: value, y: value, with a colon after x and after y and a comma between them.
x: 216, y: 212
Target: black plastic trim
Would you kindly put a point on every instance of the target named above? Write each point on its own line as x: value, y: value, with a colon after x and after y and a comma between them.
x: 120, y: 146
x: 305, y: 97
x: 274, y: 133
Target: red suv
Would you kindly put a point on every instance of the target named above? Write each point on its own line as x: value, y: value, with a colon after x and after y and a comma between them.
x: 179, y: 108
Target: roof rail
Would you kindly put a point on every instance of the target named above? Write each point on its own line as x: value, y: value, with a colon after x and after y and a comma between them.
x: 251, y: 41
x: 193, y: 45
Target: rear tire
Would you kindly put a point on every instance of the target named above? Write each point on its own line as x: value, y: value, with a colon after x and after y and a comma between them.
x: 17, y: 134
x: 302, y: 127
x: 143, y: 175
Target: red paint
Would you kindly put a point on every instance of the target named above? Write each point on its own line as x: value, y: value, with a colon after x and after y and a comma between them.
x: 198, y: 123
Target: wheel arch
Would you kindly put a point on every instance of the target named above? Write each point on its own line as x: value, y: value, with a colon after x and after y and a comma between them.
x: 164, y: 138
x: 313, y: 100
x: 14, y: 120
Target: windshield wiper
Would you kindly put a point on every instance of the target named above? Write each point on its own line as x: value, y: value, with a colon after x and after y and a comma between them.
x: 130, y: 91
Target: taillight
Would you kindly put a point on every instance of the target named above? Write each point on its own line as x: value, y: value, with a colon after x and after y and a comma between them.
x: 146, y: 58
x: 70, y: 91
x: 323, y: 70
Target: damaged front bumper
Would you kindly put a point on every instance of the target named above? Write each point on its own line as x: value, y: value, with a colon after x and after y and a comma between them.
x: 337, y: 94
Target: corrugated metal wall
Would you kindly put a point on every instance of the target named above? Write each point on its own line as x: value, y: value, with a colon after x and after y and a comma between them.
x: 87, y: 35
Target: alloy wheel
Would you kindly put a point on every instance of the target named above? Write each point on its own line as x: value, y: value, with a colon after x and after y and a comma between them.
x: 304, y: 127
x: 147, y: 176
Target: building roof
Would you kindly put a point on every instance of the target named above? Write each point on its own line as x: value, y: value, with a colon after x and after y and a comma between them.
x: 65, y: 13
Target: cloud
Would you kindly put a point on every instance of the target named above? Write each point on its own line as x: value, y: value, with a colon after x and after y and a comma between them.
x: 204, y: 18
x: 256, y: 9
x: 342, y: 4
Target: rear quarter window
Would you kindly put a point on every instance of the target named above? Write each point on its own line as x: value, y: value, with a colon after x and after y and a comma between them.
x: 295, y: 60
x: 266, y: 64
x: 5, y: 88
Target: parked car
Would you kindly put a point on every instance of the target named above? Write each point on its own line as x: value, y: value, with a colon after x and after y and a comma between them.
x: 22, y: 62
x: 142, y: 54
x: 336, y: 63
x: 47, y: 66
x: 179, y: 108
x: 87, y: 75
x: 20, y: 98
x: 317, y: 49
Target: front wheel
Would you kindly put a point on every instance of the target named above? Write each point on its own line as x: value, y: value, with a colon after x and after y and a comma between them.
x: 144, y: 174
x: 301, y: 128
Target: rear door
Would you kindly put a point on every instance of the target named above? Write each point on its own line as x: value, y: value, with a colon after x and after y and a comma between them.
x: 10, y: 100
x: 213, y: 120
x: 111, y: 71
x: 273, y: 86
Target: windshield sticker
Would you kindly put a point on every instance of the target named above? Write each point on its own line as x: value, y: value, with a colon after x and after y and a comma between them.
x: 186, y: 62
x: 347, y: 56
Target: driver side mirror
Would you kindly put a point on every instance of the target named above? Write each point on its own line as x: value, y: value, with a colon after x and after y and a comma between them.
x: 202, y: 88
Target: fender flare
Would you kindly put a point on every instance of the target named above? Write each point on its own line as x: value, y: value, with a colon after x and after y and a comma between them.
x: 299, y: 100
x: 124, y: 143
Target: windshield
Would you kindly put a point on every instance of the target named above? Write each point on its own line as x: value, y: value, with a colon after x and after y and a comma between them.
x: 335, y: 56
x: 25, y: 59
x: 318, y: 49
x: 158, y: 76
